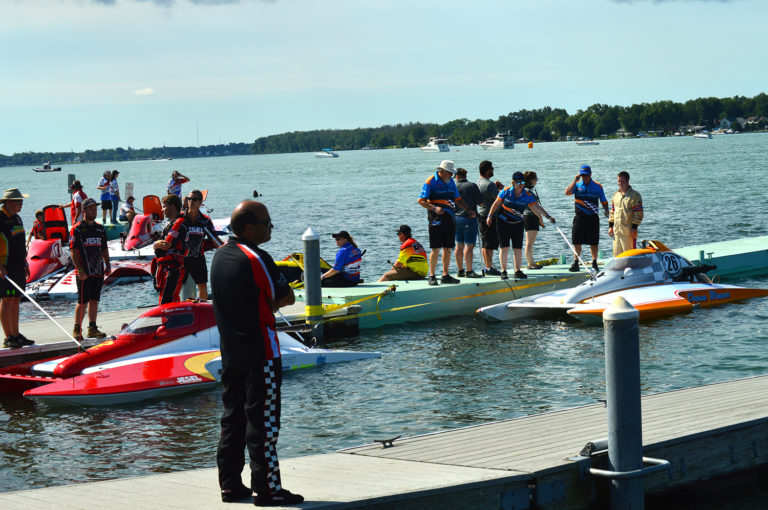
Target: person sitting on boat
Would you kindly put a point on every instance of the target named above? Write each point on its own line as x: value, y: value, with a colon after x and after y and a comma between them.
x: 127, y: 212
x: 346, y: 270
x: 411, y: 264
x: 511, y: 204
x: 168, y: 264
x: 175, y: 182
x: 38, y: 230
x: 106, y: 201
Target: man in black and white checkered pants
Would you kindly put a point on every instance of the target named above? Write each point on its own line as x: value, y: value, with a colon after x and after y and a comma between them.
x: 247, y: 290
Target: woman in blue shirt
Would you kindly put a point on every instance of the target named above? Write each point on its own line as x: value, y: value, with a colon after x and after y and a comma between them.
x: 511, y: 204
x: 346, y: 270
x: 114, y: 195
x: 106, y: 200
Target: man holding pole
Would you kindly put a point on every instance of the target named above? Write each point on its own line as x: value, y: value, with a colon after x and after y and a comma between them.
x: 13, y: 266
x: 88, y: 245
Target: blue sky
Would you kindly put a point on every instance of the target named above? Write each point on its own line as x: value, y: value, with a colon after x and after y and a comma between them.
x: 90, y: 74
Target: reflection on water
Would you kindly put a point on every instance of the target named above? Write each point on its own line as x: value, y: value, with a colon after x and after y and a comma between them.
x: 435, y: 375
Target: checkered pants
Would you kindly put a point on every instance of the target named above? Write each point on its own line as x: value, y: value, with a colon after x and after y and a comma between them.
x: 251, y: 419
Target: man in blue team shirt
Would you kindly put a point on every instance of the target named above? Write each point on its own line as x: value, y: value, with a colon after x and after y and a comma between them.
x: 439, y: 196
x: 588, y: 195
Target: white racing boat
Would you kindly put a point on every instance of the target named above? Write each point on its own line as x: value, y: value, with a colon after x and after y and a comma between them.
x: 655, y: 280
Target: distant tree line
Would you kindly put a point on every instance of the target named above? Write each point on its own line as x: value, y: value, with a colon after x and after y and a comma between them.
x: 544, y: 124
x: 120, y: 154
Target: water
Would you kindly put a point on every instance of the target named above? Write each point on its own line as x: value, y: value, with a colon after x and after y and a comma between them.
x: 435, y: 375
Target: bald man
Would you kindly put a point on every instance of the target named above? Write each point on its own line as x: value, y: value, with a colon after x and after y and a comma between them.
x: 247, y: 290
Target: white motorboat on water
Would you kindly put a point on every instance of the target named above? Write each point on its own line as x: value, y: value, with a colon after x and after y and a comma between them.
x: 326, y: 153
x: 47, y: 168
x: 500, y: 141
x: 703, y: 134
x: 587, y: 141
x: 436, y: 144
x: 655, y: 280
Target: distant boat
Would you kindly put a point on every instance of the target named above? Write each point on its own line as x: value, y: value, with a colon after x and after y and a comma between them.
x: 162, y: 159
x: 326, y: 153
x: 500, y: 141
x: 703, y: 134
x: 47, y: 168
x: 436, y: 144
x: 587, y: 141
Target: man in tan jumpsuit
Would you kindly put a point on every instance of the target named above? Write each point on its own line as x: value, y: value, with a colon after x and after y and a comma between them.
x: 626, y: 215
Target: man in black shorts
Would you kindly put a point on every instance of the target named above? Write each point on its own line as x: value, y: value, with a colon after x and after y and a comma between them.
x: 13, y: 266
x: 439, y: 196
x: 198, y: 228
x: 247, y: 291
x: 489, y: 190
x: 588, y: 196
x: 88, y: 245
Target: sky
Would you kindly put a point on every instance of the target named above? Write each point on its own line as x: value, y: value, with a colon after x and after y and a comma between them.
x: 92, y: 74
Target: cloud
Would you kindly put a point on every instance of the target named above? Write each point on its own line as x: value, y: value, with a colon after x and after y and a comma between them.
x: 145, y: 92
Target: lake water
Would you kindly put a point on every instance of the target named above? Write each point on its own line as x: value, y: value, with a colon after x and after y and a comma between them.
x: 434, y: 375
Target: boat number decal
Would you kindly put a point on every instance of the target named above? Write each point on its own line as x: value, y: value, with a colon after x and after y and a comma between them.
x: 188, y: 379
x: 672, y: 264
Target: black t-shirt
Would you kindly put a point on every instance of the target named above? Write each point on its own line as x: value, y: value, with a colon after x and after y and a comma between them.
x: 13, y: 248
x: 245, y: 281
x: 196, y: 232
x: 89, y: 241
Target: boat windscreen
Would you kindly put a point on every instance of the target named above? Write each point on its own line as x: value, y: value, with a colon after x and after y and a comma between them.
x: 144, y: 325
x: 620, y: 264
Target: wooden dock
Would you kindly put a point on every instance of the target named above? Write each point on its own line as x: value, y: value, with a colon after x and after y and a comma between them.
x: 529, y: 462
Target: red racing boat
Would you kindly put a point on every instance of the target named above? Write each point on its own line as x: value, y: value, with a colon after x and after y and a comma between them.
x: 168, y: 350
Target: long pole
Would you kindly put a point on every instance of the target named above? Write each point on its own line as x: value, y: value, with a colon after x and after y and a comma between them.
x: 41, y: 309
x: 589, y: 269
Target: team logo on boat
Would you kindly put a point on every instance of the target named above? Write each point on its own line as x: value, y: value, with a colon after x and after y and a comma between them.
x: 188, y: 379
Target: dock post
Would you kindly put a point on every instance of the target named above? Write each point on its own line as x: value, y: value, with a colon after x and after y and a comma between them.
x: 312, y: 286
x: 622, y: 381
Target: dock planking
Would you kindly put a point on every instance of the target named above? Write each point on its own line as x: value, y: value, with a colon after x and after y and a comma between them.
x: 533, y: 461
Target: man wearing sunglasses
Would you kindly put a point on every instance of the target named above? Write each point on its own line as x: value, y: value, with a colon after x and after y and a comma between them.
x: 13, y: 266
x: 247, y: 290
x: 198, y: 227
x: 588, y: 196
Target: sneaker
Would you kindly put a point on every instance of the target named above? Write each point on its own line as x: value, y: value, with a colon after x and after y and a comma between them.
x: 282, y: 497
x: 25, y: 340
x: 460, y: 274
x: 449, y: 279
x: 520, y: 275
x: 574, y: 267
x: 537, y: 266
x: 77, y: 332
x: 594, y: 265
x: 472, y: 274
x: 493, y: 272
x: 432, y: 279
x: 238, y: 494
x: 93, y: 332
x: 503, y: 275
x: 13, y: 342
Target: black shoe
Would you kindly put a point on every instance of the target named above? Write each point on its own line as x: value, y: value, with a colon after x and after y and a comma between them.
x: 13, y: 342
x: 282, y: 497
x: 594, y: 265
x: 460, y: 274
x: 238, y: 494
x: 449, y: 279
x: 25, y: 340
x: 574, y: 267
x: 493, y: 272
x: 432, y: 279
x: 537, y: 266
x: 472, y: 274
x: 520, y: 275
x: 503, y: 275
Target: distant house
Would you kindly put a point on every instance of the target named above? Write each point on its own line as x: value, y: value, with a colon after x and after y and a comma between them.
x: 728, y: 122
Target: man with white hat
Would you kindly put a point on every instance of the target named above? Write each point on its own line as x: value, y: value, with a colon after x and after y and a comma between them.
x: 13, y: 266
x: 439, y: 196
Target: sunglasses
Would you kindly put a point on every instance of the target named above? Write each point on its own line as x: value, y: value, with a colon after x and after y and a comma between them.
x: 194, y: 199
x: 519, y: 182
x: 266, y: 223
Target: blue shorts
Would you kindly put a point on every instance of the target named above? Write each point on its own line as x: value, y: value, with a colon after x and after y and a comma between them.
x: 466, y: 230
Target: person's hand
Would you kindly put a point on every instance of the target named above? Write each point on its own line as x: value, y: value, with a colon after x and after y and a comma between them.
x: 489, y: 221
x: 610, y: 231
x: 499, y: 185
x: 162, y: 245
x: 576, y: 179
x: 81, y: 275
x: 472, y: 214
x: 438, y: 210
x: 108, y: 270
x: 26, y: 272
x: 3, y: 271
x: 606, y: 213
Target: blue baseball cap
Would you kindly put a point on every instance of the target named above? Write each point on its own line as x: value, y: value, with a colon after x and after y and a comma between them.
x: 518, y: 176
x: 585, y: 170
